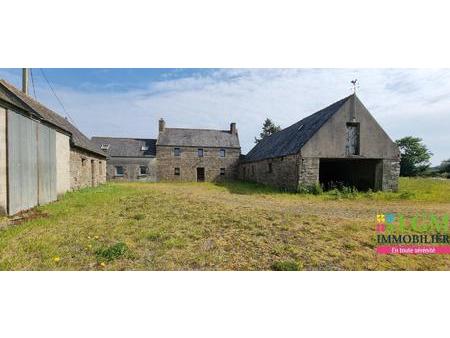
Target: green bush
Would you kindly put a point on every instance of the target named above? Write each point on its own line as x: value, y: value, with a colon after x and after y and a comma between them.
x: 287, y: 266
x: 111, y: 252
x: 315, y: 189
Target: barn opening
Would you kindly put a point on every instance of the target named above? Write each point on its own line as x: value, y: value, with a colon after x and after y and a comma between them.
x: 361, y: 174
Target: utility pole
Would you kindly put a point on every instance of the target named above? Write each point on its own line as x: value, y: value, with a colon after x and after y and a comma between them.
x: 25, y: 80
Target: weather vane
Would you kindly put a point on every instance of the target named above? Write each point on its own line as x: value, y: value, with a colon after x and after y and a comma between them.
x: 355, y: 85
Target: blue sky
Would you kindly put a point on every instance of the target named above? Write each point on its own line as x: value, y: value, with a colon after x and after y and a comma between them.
x: 129, y: 102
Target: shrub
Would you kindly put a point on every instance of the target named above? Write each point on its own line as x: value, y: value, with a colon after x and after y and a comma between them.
x: 287, y: 266
x: 112, y: 252
x: 315, y: 189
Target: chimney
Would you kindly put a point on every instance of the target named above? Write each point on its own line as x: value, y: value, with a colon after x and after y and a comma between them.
x: 233, y: 128
x: 25, y: 80
x: 162, y: 124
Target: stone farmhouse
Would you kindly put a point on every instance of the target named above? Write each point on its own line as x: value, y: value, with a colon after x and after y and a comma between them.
x: 129, y: 159
x: 179, y: 154
x: 42, y: 155
x: 340, y: 144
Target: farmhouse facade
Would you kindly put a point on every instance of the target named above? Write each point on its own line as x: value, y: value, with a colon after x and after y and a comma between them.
x: 178, y: 154
x: 340, y: 145
x: 42, y: 155
x: 129, y: 159
x: 197, y: 154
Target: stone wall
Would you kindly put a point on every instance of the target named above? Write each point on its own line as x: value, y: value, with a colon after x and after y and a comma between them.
x: 86, y: 169
x: 391, y: 173
x: 131, y: 167
x: 308, y: 172
x: 62, y: 163
x: 3, y: 166
x: 283, y: 173
x: 189, y: 161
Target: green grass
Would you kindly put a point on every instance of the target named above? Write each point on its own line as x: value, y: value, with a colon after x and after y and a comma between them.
x: 229, y: 226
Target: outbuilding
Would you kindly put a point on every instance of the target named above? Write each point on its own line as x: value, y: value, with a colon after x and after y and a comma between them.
x: 42, y: 155
x: 340, y: 145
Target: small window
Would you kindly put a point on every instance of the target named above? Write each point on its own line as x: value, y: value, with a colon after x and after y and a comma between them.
x: 222, y: 152
x: 142, y: 170
x: 270, y: 167
x: 119, y: 171
x: 83, y: 162
x: 176, y: 151
x: 200, y: 152
x: 222, y: 171
x: 177, y: 172
x: 104, y: 146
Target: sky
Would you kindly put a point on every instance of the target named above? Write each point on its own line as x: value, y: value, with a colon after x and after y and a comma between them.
x: 129, y: 102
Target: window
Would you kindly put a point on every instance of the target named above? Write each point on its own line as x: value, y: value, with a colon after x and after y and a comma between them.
x: 176, y: 151
x: 222, y: 152
x: 104, y: 146
x: 177, y: 172
x: 222, y: 171
x: 200, y: 152
x: 352, y: 146
x: 83, y: 162
x: 142, y: 170
x: 144, y: 148
x: 253, y: 170
x: 119, y: 171
x: 270, y: 167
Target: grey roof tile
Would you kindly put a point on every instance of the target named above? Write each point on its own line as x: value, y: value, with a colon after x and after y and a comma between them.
x: 127, y: 147
x: 78, y: 138
x: 198, y: 138
x: 290, y: 140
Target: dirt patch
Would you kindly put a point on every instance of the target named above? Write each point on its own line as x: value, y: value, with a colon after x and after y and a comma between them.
x: 25, y: 216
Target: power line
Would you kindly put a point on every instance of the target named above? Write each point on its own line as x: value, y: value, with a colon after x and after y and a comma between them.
x: 54, y: 93
x: 32, y: 82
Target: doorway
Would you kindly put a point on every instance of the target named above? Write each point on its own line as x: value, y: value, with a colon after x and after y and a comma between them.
x: 93, y: 172
x: 200, y: 174
x: 360, y: 174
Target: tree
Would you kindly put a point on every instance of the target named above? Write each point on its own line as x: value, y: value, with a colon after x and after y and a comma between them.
x: 268, y: 129
x: 445, y: 166
x: 415, y: 156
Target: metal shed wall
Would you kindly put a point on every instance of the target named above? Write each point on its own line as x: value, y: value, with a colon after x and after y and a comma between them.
x: 31, y: 163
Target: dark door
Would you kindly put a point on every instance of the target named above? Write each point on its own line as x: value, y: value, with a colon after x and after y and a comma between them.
x: 200, y: 174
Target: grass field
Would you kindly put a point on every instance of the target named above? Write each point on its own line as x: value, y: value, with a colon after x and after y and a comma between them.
x: 232, y: 226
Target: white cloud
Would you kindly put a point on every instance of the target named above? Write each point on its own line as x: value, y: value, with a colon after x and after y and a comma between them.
x: 404, y: 101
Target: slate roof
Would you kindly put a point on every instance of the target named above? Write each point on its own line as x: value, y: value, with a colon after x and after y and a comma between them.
x: 126, y: 147
x: 23, y: 101
x: 290, y: 140
x: 198, y: 138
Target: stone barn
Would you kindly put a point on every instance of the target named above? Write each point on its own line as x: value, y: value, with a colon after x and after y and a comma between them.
x: 129, y: 159
x: 197, y: 154
x: 42, y: 155
x: 340, y: 145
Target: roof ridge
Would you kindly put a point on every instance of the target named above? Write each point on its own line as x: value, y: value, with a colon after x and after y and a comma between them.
x: 123, y: 138
x: 205, y: 129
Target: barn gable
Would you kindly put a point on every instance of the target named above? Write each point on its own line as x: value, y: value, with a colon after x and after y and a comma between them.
x: 332, y: 139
